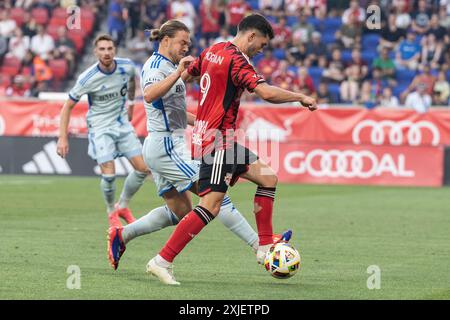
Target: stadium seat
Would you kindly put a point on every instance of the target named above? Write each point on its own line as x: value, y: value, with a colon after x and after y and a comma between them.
x: 254, y: 4
x: 59, y: 68
x: 293, y: 69
x: 332, y: 24
x: 370, y: 41
x: 291, y: 20
x: 5, y: 80
x: 77, y: 36
x: 399, y: 89
x: 11, y: 66
x: 52, y: 30
x: 17, y: 15
x: 40, y: 15
x: 448, y: 75
x: 59, y: 13
x: 319, y: 25
x: 334, y: 90
x: 405, y: 75
x: 368, y: 56
x: 256, y: 59
x: 280, y: 54
x: 315, y: 71
x: 328, y: 37
x: 346, y: 56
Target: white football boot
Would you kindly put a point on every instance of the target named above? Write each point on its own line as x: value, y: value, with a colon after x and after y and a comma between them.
x: 165, y: 275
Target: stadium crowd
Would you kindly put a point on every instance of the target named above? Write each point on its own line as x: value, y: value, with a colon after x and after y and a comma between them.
x: 336, y: 50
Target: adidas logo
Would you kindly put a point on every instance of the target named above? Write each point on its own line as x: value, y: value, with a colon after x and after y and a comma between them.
x: 123, y: 167
x: 47, y: 161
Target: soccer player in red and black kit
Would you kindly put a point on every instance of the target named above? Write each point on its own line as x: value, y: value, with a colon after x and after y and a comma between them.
x: 225, y: 72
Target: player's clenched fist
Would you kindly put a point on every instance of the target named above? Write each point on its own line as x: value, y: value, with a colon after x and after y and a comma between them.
x: 309, y: 103
x: 62, y: 148
x: 184, y: 63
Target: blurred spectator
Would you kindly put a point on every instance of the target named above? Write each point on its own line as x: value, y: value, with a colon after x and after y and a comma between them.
x: 425, y: 79
x: 421, y: 18
x: 388, y: 100
x: 42, y: 43
x: 444, y: 17
x: 323, y: 95
x: 225, y: 36
x: 282, y: 34
x: 419, y: 100
x: 267, y: 65
x: 435, y: 28
x: 349, y: 88
x: 29, y: 26
x: 134, y: 15
x: 3, y: 47
x: 7, y: 25
x: 441, y: 90
x: 42, y: 73
x: 390, y: 34
x: 335, y: 69
x: 408, y: 53
x: 362, y: 70
x: 302, y: 30
x: 235, y: 12
x: 349, y: 35
x: 140, y: 49
x: 304, y: 83
x: 358, y: 13
x: 25, y: 4
x: 183, y: 11
x: 116, y: 21
x: 372, y: 89
x: 431, y: 52
x: 65, y: 48
x: 210, y: 16
x: 153, y: 12
x: 271, y: 7
x: 296, y: 55
x: 403, y: 19
x: 386, y: 65
x: 292, y: 7
x: 18, y: 45
x: 18, y: 88
x: 283, y: 77
x: 315, y: 49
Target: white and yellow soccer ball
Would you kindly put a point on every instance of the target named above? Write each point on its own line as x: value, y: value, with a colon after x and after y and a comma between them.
x: 282, y: 260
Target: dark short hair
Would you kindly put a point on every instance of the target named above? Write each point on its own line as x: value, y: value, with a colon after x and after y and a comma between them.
x: 103, y: 37
x: 258, y: 22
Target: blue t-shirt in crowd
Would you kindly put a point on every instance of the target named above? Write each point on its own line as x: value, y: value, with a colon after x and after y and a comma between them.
x: 409, y: 49
x: 115, y: 23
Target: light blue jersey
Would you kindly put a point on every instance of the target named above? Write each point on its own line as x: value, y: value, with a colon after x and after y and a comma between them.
x: 107, y: 94
x: 169, y: 112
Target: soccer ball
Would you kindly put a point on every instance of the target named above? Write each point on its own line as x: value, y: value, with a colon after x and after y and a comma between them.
x: 282, y: 261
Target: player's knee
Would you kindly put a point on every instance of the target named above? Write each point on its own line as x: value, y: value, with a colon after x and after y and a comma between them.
x: 270, y: 181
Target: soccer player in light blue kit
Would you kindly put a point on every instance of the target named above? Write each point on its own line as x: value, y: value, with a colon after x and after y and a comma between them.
x: 109, y: 83
x: 165, y: 150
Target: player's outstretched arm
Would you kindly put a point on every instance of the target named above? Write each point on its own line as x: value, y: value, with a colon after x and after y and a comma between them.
x: 274, y: 94
x: 63, y: 141
x: 158, y: 89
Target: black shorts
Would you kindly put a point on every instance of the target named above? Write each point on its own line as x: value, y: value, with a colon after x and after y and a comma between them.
x: 222, y: 169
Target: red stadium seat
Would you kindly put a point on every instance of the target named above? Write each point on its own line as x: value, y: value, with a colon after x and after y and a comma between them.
x: 77, y: 36
x: 59, y: 68
x: 5, y: 81
x: 52, y: 30
x: 17, y: 15
x: 11, y: 66
x: 40, y: 15
x: 59, y: 13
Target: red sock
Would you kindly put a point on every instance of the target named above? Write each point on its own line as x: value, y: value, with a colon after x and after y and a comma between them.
x: 264, y: 198
x: 185, y: 231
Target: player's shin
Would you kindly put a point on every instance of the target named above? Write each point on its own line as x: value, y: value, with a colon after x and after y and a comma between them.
x: 236, y: 223
x: 185, y: 231
x: 108, y: 188
x: 133, y: 182
x: 263, y: 203
x: 155, y: 220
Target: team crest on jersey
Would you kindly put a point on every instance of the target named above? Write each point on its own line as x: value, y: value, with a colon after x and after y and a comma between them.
x: 227, y: 179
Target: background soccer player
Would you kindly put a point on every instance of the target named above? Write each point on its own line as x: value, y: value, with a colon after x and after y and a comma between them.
x: 225, y: 72
x: 108, y: 84
x: 165, y: 150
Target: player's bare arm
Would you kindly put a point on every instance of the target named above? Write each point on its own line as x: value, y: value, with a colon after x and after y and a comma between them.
x: 274, y: 94
x: 131, y: 95
x: 160, y: 88
x: 63, y: 141
x: 190, y: 118
x: 187, y: 77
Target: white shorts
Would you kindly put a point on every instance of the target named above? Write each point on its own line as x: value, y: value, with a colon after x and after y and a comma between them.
x: 170, y: 161
x: 107, y: 145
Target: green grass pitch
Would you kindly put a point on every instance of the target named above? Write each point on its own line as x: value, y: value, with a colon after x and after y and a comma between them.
x: 50, y: 223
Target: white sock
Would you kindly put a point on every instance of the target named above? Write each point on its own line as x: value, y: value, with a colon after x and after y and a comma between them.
x: 155, y: 220
x: 160, y: 261
x: 108, y: 187
x: 133, y: 182
x: 236, y: 223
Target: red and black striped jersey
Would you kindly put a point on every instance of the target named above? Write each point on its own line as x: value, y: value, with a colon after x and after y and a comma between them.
x: 225, y: 72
